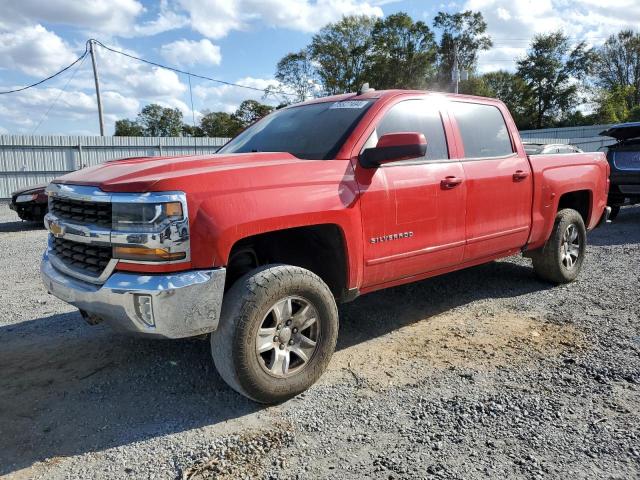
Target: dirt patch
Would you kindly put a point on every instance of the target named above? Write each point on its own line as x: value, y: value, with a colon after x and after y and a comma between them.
x: 480, y: 338
x: 239, y: 455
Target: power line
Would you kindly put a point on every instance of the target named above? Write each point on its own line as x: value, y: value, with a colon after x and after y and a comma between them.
x: 81, y: 57
x: 184, y: 72
x: 46, y: 114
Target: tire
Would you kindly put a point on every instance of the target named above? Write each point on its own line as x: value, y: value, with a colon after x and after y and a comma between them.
x: 259, y: 302
x: 614, y: 212
x: 550, y: 262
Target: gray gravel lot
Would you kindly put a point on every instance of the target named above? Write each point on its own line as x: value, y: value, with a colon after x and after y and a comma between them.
x: 484, y: 373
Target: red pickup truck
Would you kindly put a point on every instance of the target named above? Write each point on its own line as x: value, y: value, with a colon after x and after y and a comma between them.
x: 315, y: 204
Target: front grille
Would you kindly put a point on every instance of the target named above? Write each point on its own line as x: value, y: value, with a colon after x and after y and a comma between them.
x: 81, y: 212
x: 90, y: 259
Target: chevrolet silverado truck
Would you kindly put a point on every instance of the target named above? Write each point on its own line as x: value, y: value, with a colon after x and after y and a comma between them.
x: 313, y: 205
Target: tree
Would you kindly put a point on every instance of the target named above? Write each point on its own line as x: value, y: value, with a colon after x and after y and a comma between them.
x: 219, y: 124
x: 515, y: 93
x: 296, y: 73
x: 342, y: 51
x: 250, y: 111
x: 158, y: 121
x: 618, y: 66
x: 403, y: 53
x: 463, y: 35
x: 128, y: 128
x: 612, y: 106
x: 552, y: 70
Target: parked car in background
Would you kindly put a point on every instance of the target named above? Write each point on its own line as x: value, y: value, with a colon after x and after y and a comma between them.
x: 30, y: 203
x: 624, y: 159
x: 549, y: 148
x: 315, y: 204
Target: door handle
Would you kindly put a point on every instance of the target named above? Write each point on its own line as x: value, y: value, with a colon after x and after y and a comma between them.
x: 450, y: 182
x: 520, y: 175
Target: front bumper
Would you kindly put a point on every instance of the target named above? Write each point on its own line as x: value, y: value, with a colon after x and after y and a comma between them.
x: 172, y: 305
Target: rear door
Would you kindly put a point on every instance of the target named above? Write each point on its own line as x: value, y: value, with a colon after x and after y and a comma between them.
x: 499, y: 181
x: 411, y: 222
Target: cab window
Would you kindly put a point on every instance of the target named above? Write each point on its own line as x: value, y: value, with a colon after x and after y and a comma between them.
x: 414, y: 116
x: 483, y: 130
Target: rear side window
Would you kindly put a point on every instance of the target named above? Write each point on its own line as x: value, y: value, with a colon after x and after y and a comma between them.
x: 483, y: 130
x: 415, y: 116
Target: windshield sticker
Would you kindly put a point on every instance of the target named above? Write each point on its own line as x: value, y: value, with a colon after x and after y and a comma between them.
x: 350, y: 104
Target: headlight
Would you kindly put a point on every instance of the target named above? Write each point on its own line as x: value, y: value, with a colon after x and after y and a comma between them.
x: 150, y: 230
x: 26, y: 197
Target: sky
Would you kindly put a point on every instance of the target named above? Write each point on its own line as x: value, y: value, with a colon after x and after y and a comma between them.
x: 237, y: 41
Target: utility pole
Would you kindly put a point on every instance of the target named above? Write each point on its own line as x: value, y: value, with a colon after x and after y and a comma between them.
x: 95, y: 77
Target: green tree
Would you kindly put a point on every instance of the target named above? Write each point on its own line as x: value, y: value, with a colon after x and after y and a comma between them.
x: 618, y: 66
x: 403, y: 53
x: 219, y: 124
x: 251, y: 111
x: 158, y: 121
x: 296, y: 73
x: 612, y: 106
x: 463, y: 34
x: 128, y: 128
x: 342, y: 51
x: 515, y: 93
x: 552, y: 70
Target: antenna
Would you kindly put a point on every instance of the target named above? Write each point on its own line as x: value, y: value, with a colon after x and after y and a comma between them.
x: 365, y: 88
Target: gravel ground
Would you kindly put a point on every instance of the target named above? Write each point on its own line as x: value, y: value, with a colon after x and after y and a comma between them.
x: 483, y: 373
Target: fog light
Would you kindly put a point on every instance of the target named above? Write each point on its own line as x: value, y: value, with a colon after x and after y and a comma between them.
x: 144, y: 309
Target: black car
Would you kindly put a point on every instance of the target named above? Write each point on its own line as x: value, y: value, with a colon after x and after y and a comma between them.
x: 624, y: 158
x: 30, y: 203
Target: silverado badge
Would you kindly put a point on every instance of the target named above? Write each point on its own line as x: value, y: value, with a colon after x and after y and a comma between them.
x: 393, y: 236
x: 56, y: 229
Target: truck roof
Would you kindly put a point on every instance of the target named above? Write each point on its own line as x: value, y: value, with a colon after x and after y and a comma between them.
x: 378, y: 94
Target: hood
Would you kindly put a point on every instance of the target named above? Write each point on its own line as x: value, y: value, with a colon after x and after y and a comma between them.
x: 623, y: 131
x: 161, y: 173
x: 30, y: 188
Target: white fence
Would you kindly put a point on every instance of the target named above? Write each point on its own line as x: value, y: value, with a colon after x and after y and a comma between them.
x: 28, y: 160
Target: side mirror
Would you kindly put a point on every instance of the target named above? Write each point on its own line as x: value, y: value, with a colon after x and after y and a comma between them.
x: 394, y: 147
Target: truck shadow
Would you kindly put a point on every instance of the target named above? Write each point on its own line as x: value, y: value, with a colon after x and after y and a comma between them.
x: 67, y: 388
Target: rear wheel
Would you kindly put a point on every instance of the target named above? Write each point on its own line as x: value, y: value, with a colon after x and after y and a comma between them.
x: 277, y: 332
x: 560, y: 259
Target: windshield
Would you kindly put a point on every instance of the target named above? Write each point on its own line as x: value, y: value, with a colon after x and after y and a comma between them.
x: 315, y: 131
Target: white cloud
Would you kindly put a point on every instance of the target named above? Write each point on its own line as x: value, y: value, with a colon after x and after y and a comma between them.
x: 216, y: 18
x: 108, y: 16
x: 34, y: 50
x: 167, y: 19
x: 187, y: 52
x: 227, y: 98
x: 513, y: 23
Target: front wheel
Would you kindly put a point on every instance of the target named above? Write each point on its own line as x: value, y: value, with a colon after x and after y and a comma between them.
x: 277, y: 332
x: 561, y: 258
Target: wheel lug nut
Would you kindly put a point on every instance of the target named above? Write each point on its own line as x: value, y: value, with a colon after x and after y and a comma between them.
x: 275, y: 339
x: 295, y: 330
x: 288, y: 322
x: 290, y: 342
x: 282, y: 346
x: 278, y: 327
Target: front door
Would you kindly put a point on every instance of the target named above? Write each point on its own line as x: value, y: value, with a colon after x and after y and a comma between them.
x: 413, y: 222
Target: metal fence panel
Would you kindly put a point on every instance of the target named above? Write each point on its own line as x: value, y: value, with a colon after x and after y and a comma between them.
x: 27, y: 160
x: 586, y: 138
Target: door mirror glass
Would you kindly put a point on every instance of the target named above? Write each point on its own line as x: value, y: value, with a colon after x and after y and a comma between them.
x: 394, y: 147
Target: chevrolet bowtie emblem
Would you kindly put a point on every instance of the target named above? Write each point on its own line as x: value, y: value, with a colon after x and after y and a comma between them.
x: 56, y: 229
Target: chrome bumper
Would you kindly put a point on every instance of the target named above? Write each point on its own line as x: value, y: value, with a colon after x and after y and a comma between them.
x: 173, y: 305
